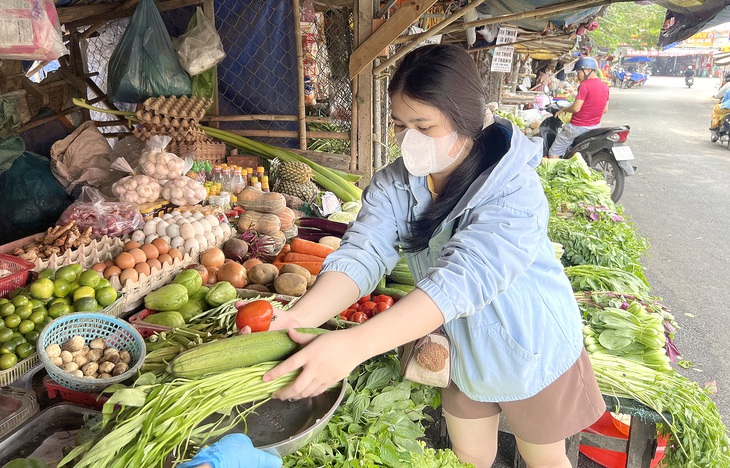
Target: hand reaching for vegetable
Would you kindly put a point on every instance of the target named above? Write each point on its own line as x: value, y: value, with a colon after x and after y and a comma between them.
x: 260, y: 315
x: 233, y: 451
x: 319, y: 370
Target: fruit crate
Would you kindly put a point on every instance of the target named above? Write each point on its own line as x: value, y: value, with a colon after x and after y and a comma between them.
x: 19, y: 272
x: 16, y: 406
x: 88, y: 399
x: 9, y: 376
x: 146, y: 329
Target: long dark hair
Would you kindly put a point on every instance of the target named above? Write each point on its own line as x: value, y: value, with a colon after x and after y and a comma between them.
x: 446, y: 77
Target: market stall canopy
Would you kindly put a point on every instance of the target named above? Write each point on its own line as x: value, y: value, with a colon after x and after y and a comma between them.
x: 638, y: 60
x: 687, y: 17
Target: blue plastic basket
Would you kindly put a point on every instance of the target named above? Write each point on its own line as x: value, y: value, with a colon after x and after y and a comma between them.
x: 116, y: 332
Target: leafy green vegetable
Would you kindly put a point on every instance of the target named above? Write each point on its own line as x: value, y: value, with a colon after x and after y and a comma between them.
x: 600, y: 278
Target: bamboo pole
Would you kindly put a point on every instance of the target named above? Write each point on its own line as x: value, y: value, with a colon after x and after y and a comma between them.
x: 301, y: 108
x: 425, y: 35
x: 377, y: 116
x: 290, y: 134
x: 265, y: 117
x: 537, y: 39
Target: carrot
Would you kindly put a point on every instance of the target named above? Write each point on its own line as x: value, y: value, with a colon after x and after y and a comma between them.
x: 313, y: 267
x: 285, y: 250
x: 294, y: 257
x: 310, y: 248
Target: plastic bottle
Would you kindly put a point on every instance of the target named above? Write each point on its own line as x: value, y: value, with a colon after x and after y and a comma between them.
x: 208, y: 169
x: 238, y: 182
x: 226, y: 180
x: 217, y: 175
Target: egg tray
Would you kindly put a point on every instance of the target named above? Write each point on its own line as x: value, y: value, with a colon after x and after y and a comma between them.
x: 190, y: 135
x: 200, y: 150
x: 183, y: 107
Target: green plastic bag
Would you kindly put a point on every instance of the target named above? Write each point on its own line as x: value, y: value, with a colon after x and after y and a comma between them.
x: 145, y: 63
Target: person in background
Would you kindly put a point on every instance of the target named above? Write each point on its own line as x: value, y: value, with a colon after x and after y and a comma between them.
x: 588, y: 108
x: 722, y: 108
x: 467, y: 208
x: 689, y: 72
x: 724, y: 86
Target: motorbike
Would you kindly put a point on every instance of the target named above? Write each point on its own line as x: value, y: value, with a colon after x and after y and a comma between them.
x: 630, y: 79
x: 602, y: 148
x: 689, y: 81
x: 722, y: 134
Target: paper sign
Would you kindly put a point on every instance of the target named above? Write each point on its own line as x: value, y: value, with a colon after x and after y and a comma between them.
x: 502, y: 57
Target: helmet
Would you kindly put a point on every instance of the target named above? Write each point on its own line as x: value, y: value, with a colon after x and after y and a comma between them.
x: 689, y: 67
x: 586, y: 63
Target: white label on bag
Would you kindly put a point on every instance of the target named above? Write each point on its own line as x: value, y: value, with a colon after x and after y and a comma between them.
x: 16, y: 32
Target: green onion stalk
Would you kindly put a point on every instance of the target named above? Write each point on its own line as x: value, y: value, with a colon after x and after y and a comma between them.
x: 697, y: 436
x: 338, y: 182
x: 165, y: 422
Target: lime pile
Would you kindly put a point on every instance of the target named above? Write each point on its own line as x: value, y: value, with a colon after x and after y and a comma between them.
x: 26, y: 310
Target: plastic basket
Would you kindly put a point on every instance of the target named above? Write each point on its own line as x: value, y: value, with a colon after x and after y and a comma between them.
x: 91, y: 400
x: 9, y: 376
x: 16, y: 406
x: 116, y: 332
x: 18, y: 278
x: 146, y: 329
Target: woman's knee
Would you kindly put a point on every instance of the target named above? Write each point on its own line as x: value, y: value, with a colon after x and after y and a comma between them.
x: 543, y: 455
x: 473, y: 440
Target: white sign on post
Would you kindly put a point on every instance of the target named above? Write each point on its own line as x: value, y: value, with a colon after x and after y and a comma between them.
x: 502, y: 58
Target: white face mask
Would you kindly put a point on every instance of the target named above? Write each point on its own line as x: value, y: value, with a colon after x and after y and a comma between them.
x: 425, y: 155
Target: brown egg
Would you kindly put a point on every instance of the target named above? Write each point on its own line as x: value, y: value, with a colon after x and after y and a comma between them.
x: 109, y: 262
x: 130, y: 274
x: 100, y: 267
x: 154, y: 264
x: 162, y: 246
x: 165, y: 258
x: 138, y: 255
x: 125, y: 260
x: 175, y: 253
x: 131, y: 245
x: 150, y: 251
x: 112, y: 271
x: 142, y: 268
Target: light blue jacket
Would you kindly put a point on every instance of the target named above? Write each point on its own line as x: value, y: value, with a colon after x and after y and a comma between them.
x: 508, y: 307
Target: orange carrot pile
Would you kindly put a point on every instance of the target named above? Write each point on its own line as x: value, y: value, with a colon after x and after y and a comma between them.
x: 304, y: 253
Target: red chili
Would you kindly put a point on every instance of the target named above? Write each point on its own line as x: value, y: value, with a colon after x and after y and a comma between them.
x: 256, y: 314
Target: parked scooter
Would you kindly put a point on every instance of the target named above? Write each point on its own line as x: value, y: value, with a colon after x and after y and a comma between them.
x: 689, y: 81
x: 602, y: 148
x: 722, y: 134
x: 631, y: 79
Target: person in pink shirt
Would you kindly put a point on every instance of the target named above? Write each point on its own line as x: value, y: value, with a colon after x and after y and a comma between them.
x: 588, y: 108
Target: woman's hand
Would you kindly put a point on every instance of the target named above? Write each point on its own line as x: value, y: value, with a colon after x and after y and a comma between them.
x: 325, y: 360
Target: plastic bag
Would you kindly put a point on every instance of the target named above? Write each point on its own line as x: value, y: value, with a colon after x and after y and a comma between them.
x: 200, y: 48
x: 113, y: 219
x: 145, y: 63
x: 30, y: 31
x: 134, y: 188
x: 157, y: 163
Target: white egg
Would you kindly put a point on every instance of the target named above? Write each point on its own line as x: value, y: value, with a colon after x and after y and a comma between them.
x: 218, y: 233
x: 206, y: 225
x: 210, y: 237
x: 187, y: 214
x: 138, y: 236
x: 198, y: 215
x: 177, y: 242
x: 202, y: 241
x: 198, y: 227
x: 176, y: 213
x: 150, y: 227
x: 226, y: 228
x: 187, y: 231
x: 173, y: 230
x: 166, y: 216
x: 191, y: 244
x: 212, y: 220
x: 182, y: 221
x: 167, y: 239
x: 150, y: 238
x: 162, y: 228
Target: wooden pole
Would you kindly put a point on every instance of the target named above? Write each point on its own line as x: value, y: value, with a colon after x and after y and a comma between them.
x: 425, y: 35
x: 301, y: 108
x: 377, y: 117
x: 209, y: 10
x: 265, y: 117
x: 363, y: 100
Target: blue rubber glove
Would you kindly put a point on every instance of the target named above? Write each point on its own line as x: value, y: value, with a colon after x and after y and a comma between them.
x: 233, y: 451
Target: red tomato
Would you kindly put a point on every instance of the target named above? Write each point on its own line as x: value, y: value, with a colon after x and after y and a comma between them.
x: 367, y: 306
x: 347, y: 313
x: 381, y: 307
x: 358, y: 317
x: 363, y: 299
x: 256, y: 314
x: 384, y: 298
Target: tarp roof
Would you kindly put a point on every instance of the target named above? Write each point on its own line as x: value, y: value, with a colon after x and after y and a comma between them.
x: 687, y: 17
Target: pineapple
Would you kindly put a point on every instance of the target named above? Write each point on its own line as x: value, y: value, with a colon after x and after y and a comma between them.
x: 295, y: 172
x: 306, y: 191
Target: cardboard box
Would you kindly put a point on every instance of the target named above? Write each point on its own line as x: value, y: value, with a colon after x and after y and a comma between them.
x: 244, y: 160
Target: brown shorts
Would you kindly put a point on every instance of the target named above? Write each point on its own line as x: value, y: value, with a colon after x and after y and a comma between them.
x: 563, y: 408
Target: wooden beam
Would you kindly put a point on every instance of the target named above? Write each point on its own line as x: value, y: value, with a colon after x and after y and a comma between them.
x: 384, y: 35
x: 266, y: 117
x: 425, y: 35
x: 74, y: 16
x: 362, y: 97
x: 301, y: 108
x: 290, y: 134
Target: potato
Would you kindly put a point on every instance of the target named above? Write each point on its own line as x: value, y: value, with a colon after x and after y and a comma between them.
x: 104, y: 375
x: 114, y: 358
x: 66, y: 356
x: 81, y: 360
x: 110, y: 350
x: 331, y: 241
x: 120, y: 368
x: 78, y: 373
x: 70, y: 366
x: 81, y: 352
x: 75, y: 343
x: 57, y: 361
x: 94, y: 354
x: 97, y: 343
x: 125, y: 357
x: 53, y: 351
x: 263, y: 273
x: 106, y: 367
x: 258, y: 288
x: 299, y: 270
x: 290, y: 284
x: 89, y: 368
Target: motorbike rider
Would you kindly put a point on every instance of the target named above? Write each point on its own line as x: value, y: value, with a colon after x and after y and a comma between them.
x: 688, y: 73
x: 722, y: 108
x: 588, y: 108
x: 723, y: 87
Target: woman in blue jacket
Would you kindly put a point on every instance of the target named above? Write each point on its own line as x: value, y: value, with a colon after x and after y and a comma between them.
x: 466, y: 206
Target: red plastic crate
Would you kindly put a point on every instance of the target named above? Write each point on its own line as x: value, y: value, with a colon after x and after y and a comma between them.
x: 20, y: 272
x: 90, y: 400
x: 146, y: 329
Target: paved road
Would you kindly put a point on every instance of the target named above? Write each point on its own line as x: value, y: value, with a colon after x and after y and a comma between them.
x: 678, y: 200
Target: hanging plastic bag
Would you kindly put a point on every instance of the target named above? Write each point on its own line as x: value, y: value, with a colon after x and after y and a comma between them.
x: 158, y: 163
x: 105, y: 218
x: 144, y: 63
x: 29, y: 30
x: 200, y: 48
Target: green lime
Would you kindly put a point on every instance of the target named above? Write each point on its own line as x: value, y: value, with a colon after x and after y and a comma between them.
x: 49, y: 273
x: 18, y: 292
x: 7, y: 361
x: 24, y: 350
x: 32, y: 336
x: 61, y: 287
x: 86, y: 304
x: 2, y: 323
x: 84, y: 291
x: 41, y: 288
x: 106, y: 296
x: 20, y: 300
x: 7, y: 309
x: 77, y: 268
x: 12, y: 321
x: 38, y: 316
x: 60, y: 300
x: 24, y: 311
x: 26, y: 326
x: 57, y: 310
x: 18, y: 339
x: 5, y: 334
x: 37, y: 302
x: 103, y: 283
x: 67, y: 273
x: 89, y: 278
x: 8, y: 347
x: 73, y: 286
x: 4, y: 300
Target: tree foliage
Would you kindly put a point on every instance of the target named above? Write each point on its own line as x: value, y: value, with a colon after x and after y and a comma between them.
x: 629, y: 24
